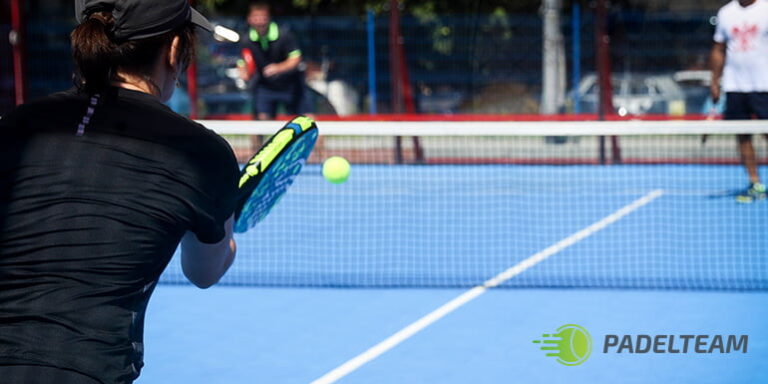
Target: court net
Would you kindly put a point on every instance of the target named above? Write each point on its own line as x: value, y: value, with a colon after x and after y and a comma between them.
x: 555, y: 204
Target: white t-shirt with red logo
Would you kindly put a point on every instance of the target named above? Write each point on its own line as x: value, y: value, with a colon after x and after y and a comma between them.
x: 744, y: 30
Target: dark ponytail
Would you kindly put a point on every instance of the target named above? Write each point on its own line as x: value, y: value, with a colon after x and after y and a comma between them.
x: 94, y: 52
x: 98, y: 58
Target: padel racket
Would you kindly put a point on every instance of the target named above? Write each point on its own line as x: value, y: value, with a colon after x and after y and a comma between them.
x: 250, y: 62
x: 268, y: 174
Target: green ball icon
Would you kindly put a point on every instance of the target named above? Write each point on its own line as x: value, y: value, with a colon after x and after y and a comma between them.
x: 572, y: 344
x: 576, y: 344
x: 336, y: 169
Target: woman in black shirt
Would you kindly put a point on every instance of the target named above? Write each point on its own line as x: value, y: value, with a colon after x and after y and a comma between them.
x: 98, y: 186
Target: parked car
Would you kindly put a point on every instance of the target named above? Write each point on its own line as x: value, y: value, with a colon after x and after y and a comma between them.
x: 695, y: 85
x: 633, y: 94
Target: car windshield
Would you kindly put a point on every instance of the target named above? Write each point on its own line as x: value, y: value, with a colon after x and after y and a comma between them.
x: 641, y: 87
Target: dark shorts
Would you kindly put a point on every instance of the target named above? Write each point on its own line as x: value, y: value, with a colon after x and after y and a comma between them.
x: 268, y: 101
x: 746, y: 106
x: 37, y: 374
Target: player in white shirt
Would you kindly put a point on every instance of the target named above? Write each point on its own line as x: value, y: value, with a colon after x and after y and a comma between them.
x: 740, y: 56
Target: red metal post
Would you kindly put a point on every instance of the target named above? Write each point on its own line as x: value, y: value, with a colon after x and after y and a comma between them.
x: 192, y: 83
x: 17, y: 39
x: 603, y: 59
x: 395, y: 56
x: 602, y: 39
x: 192, y: 88
x: 402, y: 95
x: 396, y: 97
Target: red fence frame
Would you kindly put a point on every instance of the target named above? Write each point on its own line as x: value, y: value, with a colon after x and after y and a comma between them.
x: 18, y: 44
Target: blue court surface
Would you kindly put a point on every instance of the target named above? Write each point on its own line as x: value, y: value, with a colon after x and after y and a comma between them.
x: 252, y: 335
x: 320, y: 287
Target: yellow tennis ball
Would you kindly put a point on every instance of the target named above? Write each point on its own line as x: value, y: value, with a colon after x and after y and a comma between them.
x: 336, y: 169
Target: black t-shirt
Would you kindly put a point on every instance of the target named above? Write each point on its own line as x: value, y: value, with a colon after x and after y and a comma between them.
x: 277, y: 46
x: 88, y: 223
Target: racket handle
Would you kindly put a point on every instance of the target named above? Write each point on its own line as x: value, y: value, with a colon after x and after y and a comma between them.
x: 711, y: 115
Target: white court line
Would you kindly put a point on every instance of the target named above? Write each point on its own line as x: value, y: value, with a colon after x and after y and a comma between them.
x: 405, y: 333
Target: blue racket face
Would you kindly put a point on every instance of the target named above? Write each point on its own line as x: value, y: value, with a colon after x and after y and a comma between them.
x: 275, y: 181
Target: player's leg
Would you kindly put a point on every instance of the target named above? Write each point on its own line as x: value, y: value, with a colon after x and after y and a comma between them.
x: 737, y: 108
x: 742, y: 106
x: 268, y: 109
x: 759, y: 105
x: 748, y: 157
x: 756, y: 189
x: 266, y: 103
x: 758, y: 102
x: 300, y: 103
x: 265, y: 108
x: 258, y: 102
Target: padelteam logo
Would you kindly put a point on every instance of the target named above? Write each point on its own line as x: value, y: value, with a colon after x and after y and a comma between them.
x: 571, y: 344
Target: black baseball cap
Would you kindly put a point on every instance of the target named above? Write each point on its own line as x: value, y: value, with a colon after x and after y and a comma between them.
x: 139, y: 19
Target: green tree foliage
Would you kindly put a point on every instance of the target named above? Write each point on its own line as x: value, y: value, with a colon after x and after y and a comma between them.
x: 418, y: 8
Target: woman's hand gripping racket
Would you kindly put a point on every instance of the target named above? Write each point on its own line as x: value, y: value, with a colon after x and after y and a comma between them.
x: 269, y: 173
